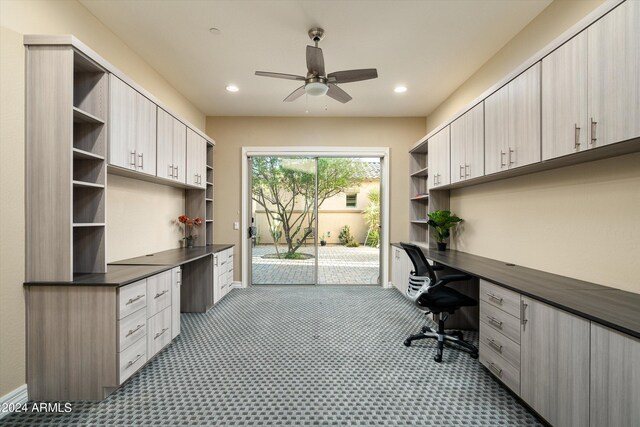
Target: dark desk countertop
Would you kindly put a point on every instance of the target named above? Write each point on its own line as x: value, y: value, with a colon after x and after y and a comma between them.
x: 131, y: 270
x: 614, y: 308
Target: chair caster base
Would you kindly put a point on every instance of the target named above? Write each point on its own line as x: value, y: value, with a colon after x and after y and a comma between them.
x: 473, y: 355
x: 407, y: 343
x: 437, y: 358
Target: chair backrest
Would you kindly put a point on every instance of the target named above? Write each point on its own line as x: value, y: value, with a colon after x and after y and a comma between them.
x: 420, y: 264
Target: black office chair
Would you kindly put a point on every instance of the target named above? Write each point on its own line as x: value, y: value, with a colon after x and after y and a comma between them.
x: 433, y: 296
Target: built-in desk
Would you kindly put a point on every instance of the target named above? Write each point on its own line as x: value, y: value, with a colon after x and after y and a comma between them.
x: 175, y: 257
x: 567, y: 347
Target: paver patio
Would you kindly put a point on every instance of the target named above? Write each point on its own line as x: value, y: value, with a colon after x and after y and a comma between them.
x: 338, y: 265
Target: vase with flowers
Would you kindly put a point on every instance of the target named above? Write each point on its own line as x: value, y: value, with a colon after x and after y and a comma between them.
x: 189, y: 226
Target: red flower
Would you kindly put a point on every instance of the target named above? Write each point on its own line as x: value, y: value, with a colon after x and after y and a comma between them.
x: 198, y: 221
x: 189, y: 223
x: 183, y: 219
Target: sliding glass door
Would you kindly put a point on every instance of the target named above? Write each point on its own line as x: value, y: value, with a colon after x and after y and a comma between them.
x: 315, y: 220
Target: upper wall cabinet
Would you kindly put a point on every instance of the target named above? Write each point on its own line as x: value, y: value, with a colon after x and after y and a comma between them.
x: 512, y: 126
x: 565, y: 122
x: 172, y: 147
x: 438, y: 159
x: 614, y: 75
x: 467, y: 145
x: 132, y: 128
x: 196, y: 159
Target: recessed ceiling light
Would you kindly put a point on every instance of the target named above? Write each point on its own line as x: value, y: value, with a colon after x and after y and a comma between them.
x: 214, y: 30
x: 232, y: 88
x: 400, y: 89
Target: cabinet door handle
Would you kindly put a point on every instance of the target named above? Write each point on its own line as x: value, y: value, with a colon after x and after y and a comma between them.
x: 160, y: 333
x: 171, y: 171
x: 132, y: 160
x: 160, y: 294
x: 523, y: 313
x: 495, y: 368
x: 494, y: 321
x: 511, y: 150
x: 132, y: 300
x: 494, y: 297
x: 133, y: 331
x: 576, y: 143
x: 593, y: 131
x: 467, y: 171
x: 461, y: 172
x: 141, y: 158
x: 495, y: 345
x: 502, y: 163
x: 131, y: 362
x: 176, y: 171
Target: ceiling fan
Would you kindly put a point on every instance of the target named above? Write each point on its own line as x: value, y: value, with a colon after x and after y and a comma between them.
x: 317, y: 83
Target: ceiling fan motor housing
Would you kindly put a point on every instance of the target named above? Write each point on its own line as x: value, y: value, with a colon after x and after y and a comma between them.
x: 316, y: 34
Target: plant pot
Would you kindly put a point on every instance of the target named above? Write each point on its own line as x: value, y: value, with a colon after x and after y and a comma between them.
x: 189, y: 243
x: 442, y: 246
x: 323, y: 243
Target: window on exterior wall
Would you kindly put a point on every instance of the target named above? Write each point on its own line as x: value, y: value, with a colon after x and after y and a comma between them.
x: 352, y: 200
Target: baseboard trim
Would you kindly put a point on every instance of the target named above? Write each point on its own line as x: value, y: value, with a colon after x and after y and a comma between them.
x: 16, y: 397
x: 236, y: 284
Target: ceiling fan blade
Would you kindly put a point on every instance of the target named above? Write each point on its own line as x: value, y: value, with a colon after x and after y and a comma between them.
x: 352, y: 75
x: 315, y: 61
x: 295, y: 94
x: 279, y: 75
x: 338, y: 94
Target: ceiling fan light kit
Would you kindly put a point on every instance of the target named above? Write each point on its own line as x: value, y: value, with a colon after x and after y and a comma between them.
x: 317, y: 82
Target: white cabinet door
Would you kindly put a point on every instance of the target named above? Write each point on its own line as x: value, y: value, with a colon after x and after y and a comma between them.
x: 432, y: 160
x: 496, y: 127
x: 122, y: 131
x: 145, y: 124
x: 171, y: 147
x: 467, y: 145
x: 217, y: 278
x: 524, y: 118
x: 179, y: 151
x: 176, y: 282
x: 615, y: 378
x: 196, y: 159
x: 564, y: 99
x: 438, y: 158
x: 554, y: 368
x: 459, y: 137
x: 614, y: 75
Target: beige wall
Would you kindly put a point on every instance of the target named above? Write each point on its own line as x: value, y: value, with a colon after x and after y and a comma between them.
x: 232, y: 133
x: 154, y: 230
x: 580, y: 221
x: 554, y: 20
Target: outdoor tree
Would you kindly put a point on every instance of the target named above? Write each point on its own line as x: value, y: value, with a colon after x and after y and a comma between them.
x: 285, y: 188
x: 371, y: 216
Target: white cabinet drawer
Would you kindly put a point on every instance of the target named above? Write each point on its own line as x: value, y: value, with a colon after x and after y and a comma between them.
x: 500, y: 321
x: 132, y: 359
x: 158, y: 292
x: 158, y: 332
x: 500, y: 297
x: 499, y: 367
x: 132, y: 298
x: 132, y: 328
x: 500, y: 344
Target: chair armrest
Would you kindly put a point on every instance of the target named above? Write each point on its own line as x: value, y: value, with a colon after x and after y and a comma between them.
x: 443, y: 281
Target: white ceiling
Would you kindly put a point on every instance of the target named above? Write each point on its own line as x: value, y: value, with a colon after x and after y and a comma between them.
x: 430, y: 46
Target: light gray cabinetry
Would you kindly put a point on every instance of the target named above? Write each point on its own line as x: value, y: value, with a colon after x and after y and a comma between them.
x: 438, y: 159
x: 614, y: 75
x: 222, y: 274
x: 555, y: 364
x: 400, y: 269
x: 467, y: 145
x: 615, y: 378
x: 172, y: 147
x: 132, y: 128
x: 196, y: 159
x: 512, y: 123
x: 176, y: 282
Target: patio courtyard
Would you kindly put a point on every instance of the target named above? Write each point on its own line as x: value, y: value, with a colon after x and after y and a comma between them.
x: 338, y: 265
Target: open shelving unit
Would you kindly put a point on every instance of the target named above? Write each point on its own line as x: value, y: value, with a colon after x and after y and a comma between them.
x: 209, y: 195
x: 418, y: 194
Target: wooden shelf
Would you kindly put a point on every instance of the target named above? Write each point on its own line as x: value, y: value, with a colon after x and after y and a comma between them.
x: 419, y: 221
x: 209, y: 220
x: 88, y: 224
x: 87, y: 184
x: 209, y: 167
x: 209, y: 200
x: 82, y: 154
x: 80, y: 116
x: 210, y: 183
x: 420, y: 197
x: 420, y: 173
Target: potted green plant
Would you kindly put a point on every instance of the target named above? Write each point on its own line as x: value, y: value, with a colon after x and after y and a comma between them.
x: 323, y: 242
x: 442, y: 222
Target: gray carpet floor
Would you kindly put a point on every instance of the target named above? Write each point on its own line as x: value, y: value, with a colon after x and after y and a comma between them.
x: 302, y: 356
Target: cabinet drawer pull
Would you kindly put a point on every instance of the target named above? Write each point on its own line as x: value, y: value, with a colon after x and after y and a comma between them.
x: 523, y: 312
x: 132, y: 159
x: 160, y: 333
x: 132, y: 300
x: 160, y: 294
x: 495, y: 368
x: 593, y: 131
x: 467, y: 171
x: 141, y: 158
x: 495, y: 297
x: 171, y: 171
x: 131, y: 362
x: 511, y: 151
x: 176, y: 170
x: 133, y: 331
x: 502, y: 163
x: 461, y: 172
x: 495, y: 345
x: 576, y: 143
x: 494, y: 320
